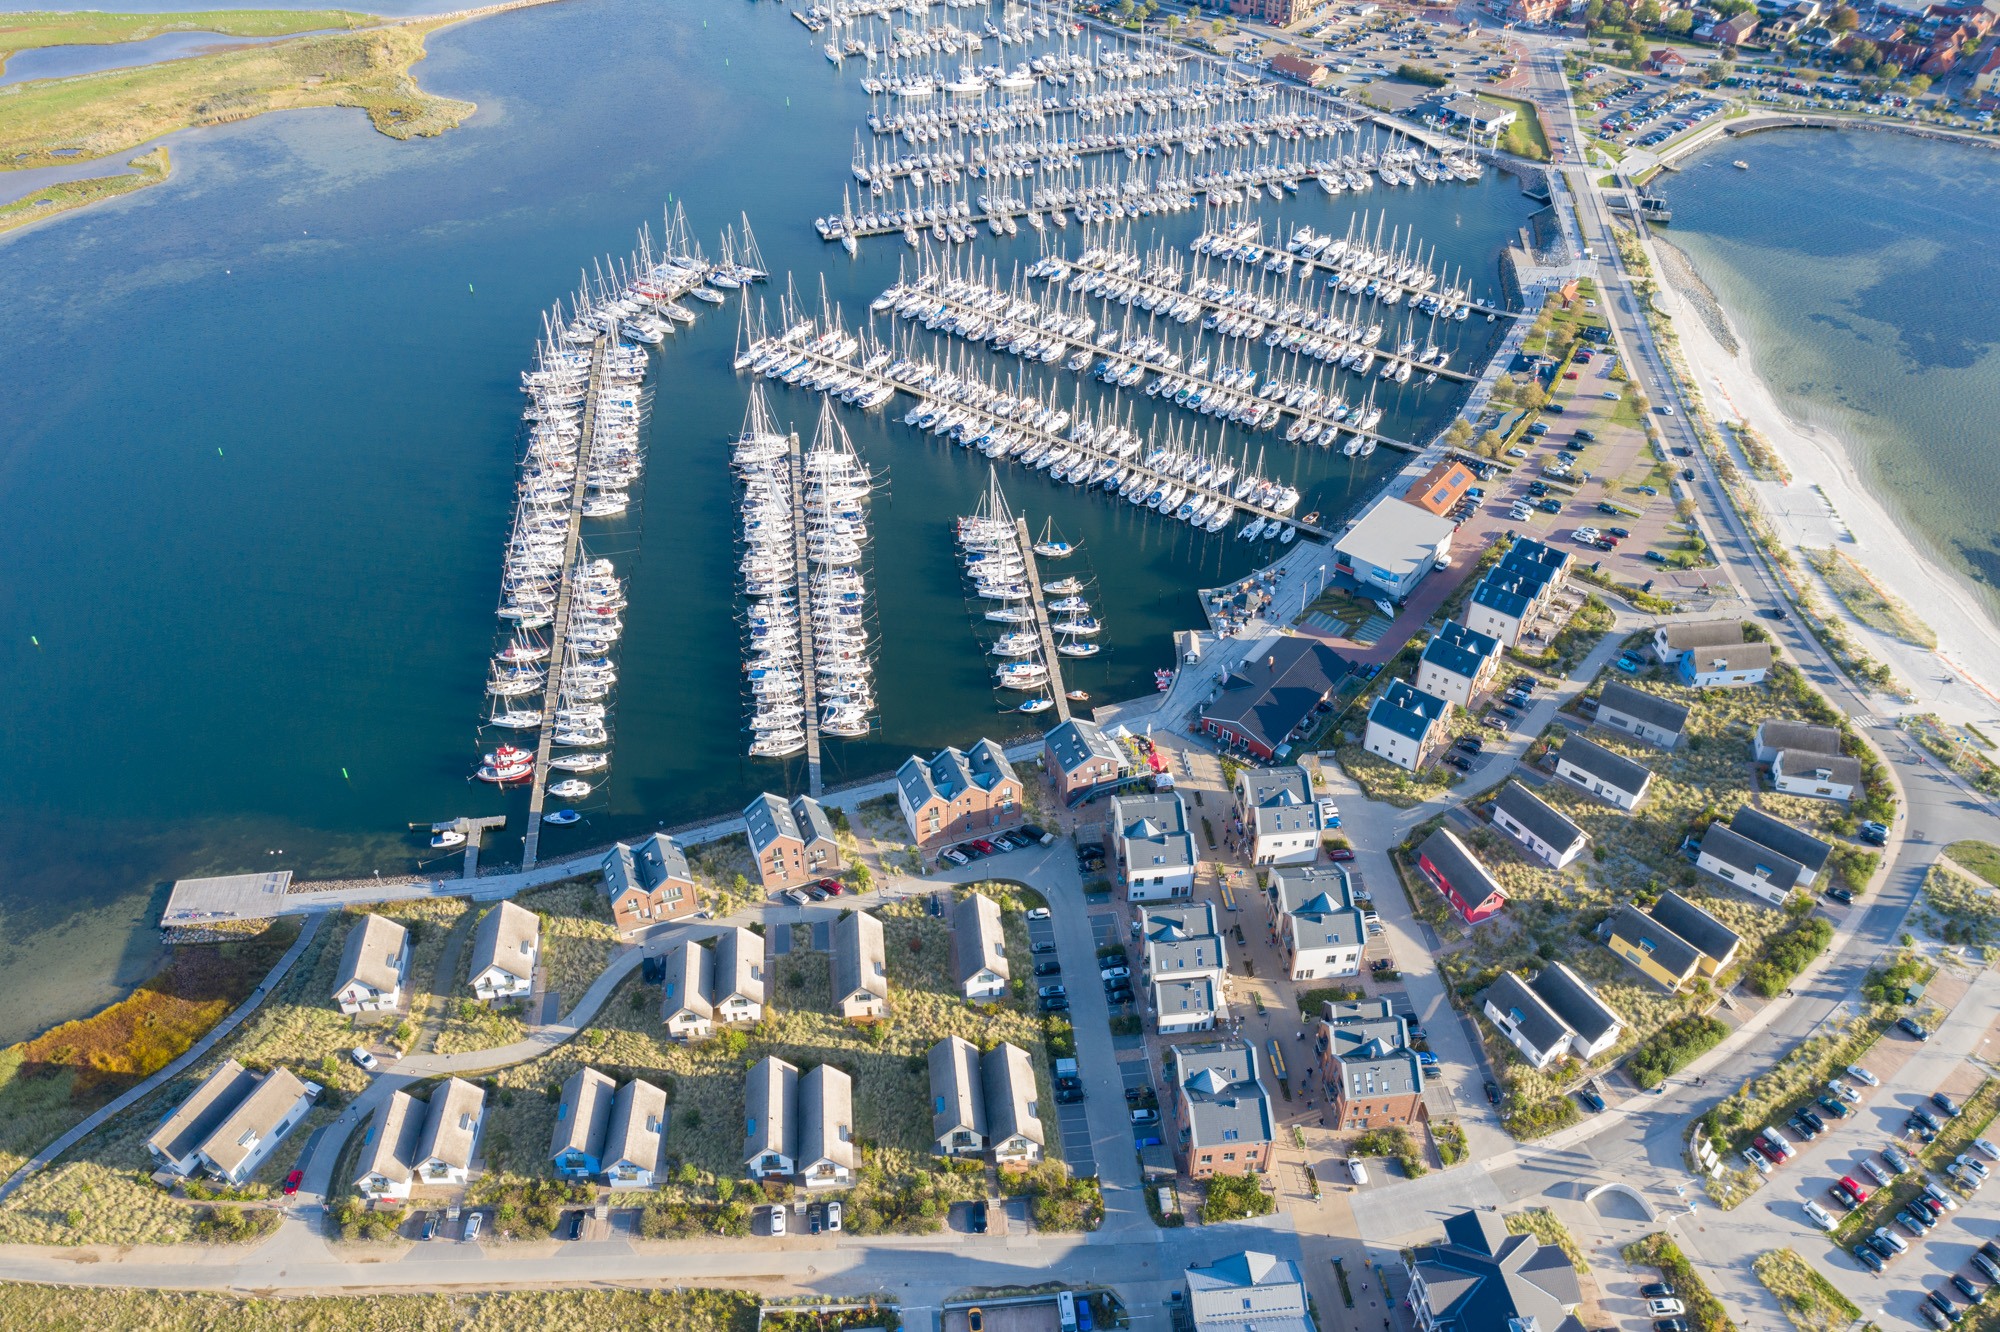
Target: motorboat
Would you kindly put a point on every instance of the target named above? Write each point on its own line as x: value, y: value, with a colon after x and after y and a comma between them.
x: 580, y: 762
x: 562, y: 817
x: 1037, y: 705
x: 570, y: 788
x: 447, y: 839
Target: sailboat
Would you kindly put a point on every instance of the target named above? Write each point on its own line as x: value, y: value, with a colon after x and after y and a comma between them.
x: 1050, y: 548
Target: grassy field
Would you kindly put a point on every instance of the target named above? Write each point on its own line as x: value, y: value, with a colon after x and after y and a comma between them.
x: 63, y: 1307
x: 150, y: 169
x: 1545, y: 1226
x: 1867, y: 600
x: 1982, y: 858
x: 35, y: 29
x: 1382, y: 780
x: 1809, y: 1299
x: 45, y: 122
x: 1523, y: 138
x: 1960, y: 910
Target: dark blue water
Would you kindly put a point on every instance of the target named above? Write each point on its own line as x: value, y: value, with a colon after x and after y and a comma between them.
x: 258, y: 458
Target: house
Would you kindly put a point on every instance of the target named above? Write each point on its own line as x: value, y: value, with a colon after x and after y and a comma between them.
x: 1303, y: 68
x: 1539, y: 563
x: 648, y: 882
x: 1277, y: 693
x: 389, y: 1159
x: 1505, y: 604
x: 1825, y: 776
x: 685, y: 1006
x: 1525, y: 1019
x: 1186, y: 961
x: 1391, y: 547
x: 1671, y: 642
x: 1736, y: 29
x: 738, y: 994
x: 634, y: 1136
x: 978, y: 948
x: 828, y: 1156
x: 958, y: 1098
x: 1014, y: 1132
x: 958, y: 794
x: 1608, y: 776
x: 1404, y: 725
x: 1535, y: 12
x: 1317, y: 924
x: 1481, y: 1278
x: 1458, y: 664
x: 1774, y: 736
x: 1279, y: 815
x: 1593, y: 1026
x: 231, y: 1123
x: 1726, y: 666
x: 505, y: 945
x: 1717, y: 942
x: 1155, y: 852
x: 1811, y: 853
x: 791, y: 841
x: 1544, y: 830
x: 451, y: 1133
x: 770, y: 1123
x: 583, y: 1120
x: 1079, y: 757
x: 1222, y: 1115
x: 1662, y: 955
x: 1440, y: 489
x: 1247, y: 1292
x: 373, y: 966
x: 1367, y: 1066
x: 860, y: 968
x: 1751, y: 866
x: 1454, y: 871
x: 1667, y: 63
x: 1645, y: 716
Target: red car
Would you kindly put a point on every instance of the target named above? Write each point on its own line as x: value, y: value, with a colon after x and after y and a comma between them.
x: 1569, y: 374
x: 984, y: 848
x: 831, y: 887
x: 1343, y: 854
x: 292, y: 1182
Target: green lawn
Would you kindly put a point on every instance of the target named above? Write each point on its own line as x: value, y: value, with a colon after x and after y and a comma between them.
x: 1982, y: 858
x: 1523, y: 138
x: 35, y: 29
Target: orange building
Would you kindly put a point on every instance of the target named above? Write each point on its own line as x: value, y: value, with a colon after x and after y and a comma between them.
x: 1441, y: 488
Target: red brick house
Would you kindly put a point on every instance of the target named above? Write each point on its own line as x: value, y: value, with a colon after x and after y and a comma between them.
x: 959, y: 794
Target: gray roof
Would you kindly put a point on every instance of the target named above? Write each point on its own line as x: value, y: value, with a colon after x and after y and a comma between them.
x: 1839, y: 768
x: 1775, y: 733
x: 1538, y: 816
x: 373, y: 946
x: 1702, y: 633
x: 1344, y: 1011
x: 1182, y: 939
x: 1575, y: 1002
x: 1177, y: 996
x: 739, y: 965
x: 1395, y: 535
x: 689, y: 983
x: 826, y: 1117
x: 1225, y: 1101
x: 508, y: 937
x: 1604, y: 764
x: 1538, y: 1024
x: 638, y: 1126
x: 583, y: 1113
x: 1012, y: 1103
x: 1319, y: 901
x: 1373, y: 1052
x: 452, y: 1124
x: 860, y: 958
x: 954, y: 771
x: 191, y: 1122
x: 1406, y: 710
x: 1460, y: 650
x: 1646, y: 707
x: 1730, y: 657
x: 769, y: 1091
x: 644, y: 866
x: 977, y: 941
x: 1280, y: 800
x: 252, y: 1119
x: 1696, y: 926
x: 1079, y: 741
x: 1482, y: 1279
x: 1275, y: 690
x: 1461, y: 869
x: 1248, y: 1289
x: 1652, y: 937
x: 1532, y: 556
x: 957, y: 1096
x: 769, y: 817
x: 392, y: 1142
x: 1794, y: 843
x: 1152, y: 830
x: 1734, y: 849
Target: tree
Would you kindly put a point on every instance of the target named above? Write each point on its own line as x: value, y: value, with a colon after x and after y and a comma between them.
x: 1649, y: 14
x: 1593, y: 15
x: 1919, y: 84
x: 1635, y: 46
x: 1218, y: 27
x: 1844, y: 19
x: 1681, y: 24
x: 1459, y: 434
x: 1617, y: 14
x: 1490, y: 444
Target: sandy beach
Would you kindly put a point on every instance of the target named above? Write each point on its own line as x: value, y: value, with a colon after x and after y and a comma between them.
x: 1967, y: 634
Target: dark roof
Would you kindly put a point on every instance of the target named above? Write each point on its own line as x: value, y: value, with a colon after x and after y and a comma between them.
x: 1225, y: 1100
x: 1080, y: 740
x: 1649, y: 708
x: 1504, y: 593
x: 1701, y: 633
x: 1535, y: 558
x: 1728, y: 657
x: 1574, y: 1002
x: 1803, y: 737
x: 1458, y: 865
x: 1666, y: 948
x: 769, y: 817
x: 1793, y: 843
x: 1531, y: 1015
x: 1459, y: 650
x: 1734, y: 849
x: 1538, y: 816
x: 1269, y: 695
x: 1406, y: 710
x: 1602, y: 764
x: 1696, y: 926
x: 1482, y: 1279
x: 1839, y: 768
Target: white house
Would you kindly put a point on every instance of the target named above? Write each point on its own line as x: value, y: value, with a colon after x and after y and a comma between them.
x: 739, y: 989
x: 979, y: 948
x: 1544, y: 830
x: 632, y: 1140
x: 685, y: 1007
x: 1671, y: 642
x: 770, y: 1119
x: 1458, y: 664
x: 1014, y: 1131
x: 373, y: 966
x: 1156, y: 855
x: 1825, y: 776
x: 504, y: 949
x: 1279, y: 815
x: 231, y: 1123
x: 1606, y: 775
x: 1751, y: 866
x: 1552, y: 1016
x: 451, y: 1133
x: 1186, y: 961
x: 1775, y: 735
x: 828, y: 1156
x: 1644, y: 716
x: 1404, y: 725
x: 1316, y: 921
x: 1726, y: 666
x: 389, y: 1160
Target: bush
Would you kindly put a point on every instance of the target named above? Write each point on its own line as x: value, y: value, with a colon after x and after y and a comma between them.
x: 1234, y: 1197
x: 1393, y: 1141
x: 1787, y: 954
x: 1541, y: 1118
x: 1673, y: 1047
x: 1429, y: 78
x: 1449, y: 1139
x: 1704, y: 1311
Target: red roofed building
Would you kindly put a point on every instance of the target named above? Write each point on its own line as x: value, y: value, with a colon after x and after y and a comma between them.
x: 1666, y: 62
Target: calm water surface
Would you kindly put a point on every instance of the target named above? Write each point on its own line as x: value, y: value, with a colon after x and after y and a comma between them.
x: 1863, y: 272
x: 259, y: 458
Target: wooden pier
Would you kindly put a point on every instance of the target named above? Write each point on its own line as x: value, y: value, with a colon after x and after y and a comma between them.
x: 538, y: 789
x: 1334, y: 269
x: 1050, y: 657
x: 795, y: 466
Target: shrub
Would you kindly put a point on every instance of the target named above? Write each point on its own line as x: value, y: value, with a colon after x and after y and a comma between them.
x: 1540, y: 1118
x: 1704, y: 1311
x: 1673, y: 1047
x: 1787, y: 954
x: 1429, y: 78
x: 1449, y: 1139
x: 1234, y: 1197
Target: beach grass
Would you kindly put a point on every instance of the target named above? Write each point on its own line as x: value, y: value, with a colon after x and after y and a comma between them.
x: 152, y: 168
x: 1982, y: 858
x: 1809, y: 1299
x: 1867, y: 600
x: 1546, y: 1227
x: 42, y: 28
x: 46, y: 122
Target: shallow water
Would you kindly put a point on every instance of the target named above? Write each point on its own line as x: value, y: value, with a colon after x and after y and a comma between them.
x: 55, y: 62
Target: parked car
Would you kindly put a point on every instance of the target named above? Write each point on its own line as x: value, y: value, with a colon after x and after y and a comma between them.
x: 1986, y: 1148
x: 1757, y: 1160
x: 430, y: 1227
x: 471, y: 1231
x: 955, y: 856
x: 575, y: 1229
x: 1048, y: 967
x: 1861, y: 1074
x: 1876, y: 1172
x: 833, y: 1214
x: 1052, y: 991
x: 1115, y: 973
x: 978, y: 1218
x: 367, y: 1062
x: 1889, y: 1238
x: 1855, y: 1187
x: 1868, y: 1258
x: 1898, y: 1159
x: 1069, y: 1095
x: 1145, y: 1115
x: 1665, y: 1308
x: 1926, y: 1118
x: 1970, y: 1162
x: 1965, y: 1288
x: 1841, y: 895
x: 1843, y: 1196
x: 1657, y: 1290
x: 1055, y: 1003
x: 1590, y: 1098
x: 1038, y: 913
x: 1492, y: 1092
x: 1340, y: 854
x: 777, y: 1215
x: 292, y: 1182
x: 1820, y: 1216
x: 1834, y: 1106
x: 1945, y: 1103
x: 1818, y: 1124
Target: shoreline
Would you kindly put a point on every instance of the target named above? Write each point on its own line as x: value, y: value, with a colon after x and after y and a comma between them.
x: 1820, y: 458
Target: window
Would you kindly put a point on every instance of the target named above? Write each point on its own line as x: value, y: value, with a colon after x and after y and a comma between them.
x: 1229, y: 1156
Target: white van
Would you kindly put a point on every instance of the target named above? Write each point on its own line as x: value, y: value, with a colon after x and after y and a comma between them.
x: 1356, y: 1171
